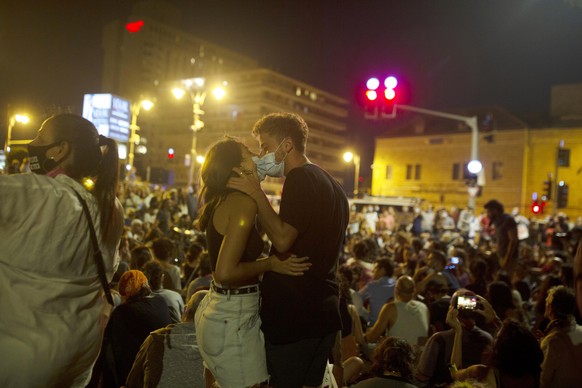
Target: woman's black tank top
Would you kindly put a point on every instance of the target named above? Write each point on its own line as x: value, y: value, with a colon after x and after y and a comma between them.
x: 253, y: 249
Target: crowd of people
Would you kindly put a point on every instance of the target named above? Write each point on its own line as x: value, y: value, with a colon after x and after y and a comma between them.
x: 213, y: 287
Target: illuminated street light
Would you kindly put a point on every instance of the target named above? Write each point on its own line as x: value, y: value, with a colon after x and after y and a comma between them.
x: 134, y: 137
x: 474, y: 167
x: 178, y: 93
x: 196, y: 88
x: 219, y: 93
x: 17, y: 118
x: 200, y: 159
x: 348, y: 158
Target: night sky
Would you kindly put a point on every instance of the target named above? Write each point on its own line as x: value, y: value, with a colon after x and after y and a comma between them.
x: 446, y: 53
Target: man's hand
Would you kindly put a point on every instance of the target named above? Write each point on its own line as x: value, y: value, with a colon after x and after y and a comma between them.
x: 246, y: 181
x: 487, y: 311
x: 293, y: 266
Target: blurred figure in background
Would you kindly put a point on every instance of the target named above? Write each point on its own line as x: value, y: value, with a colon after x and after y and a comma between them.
x: 170, y: 356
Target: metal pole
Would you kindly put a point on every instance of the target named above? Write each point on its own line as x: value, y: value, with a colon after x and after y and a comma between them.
x: 356, y: 175
x: 470, y: 121
x: 555, y: 187
x: 197, y: 102
x: 134, y: 128
x: 11, y: 124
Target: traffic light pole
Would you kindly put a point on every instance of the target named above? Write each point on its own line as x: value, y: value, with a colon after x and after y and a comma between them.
x: 471, y: 121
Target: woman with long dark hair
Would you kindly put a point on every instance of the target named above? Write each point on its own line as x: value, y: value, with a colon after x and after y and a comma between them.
x: 227, y: 321
x: 54, y: 308
x: 514, y: 361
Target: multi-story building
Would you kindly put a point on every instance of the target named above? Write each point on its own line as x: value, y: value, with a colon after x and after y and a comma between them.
x: 144, y: 52
x: 426, y: 157
x: 250, y: 95
x: 157, y: 56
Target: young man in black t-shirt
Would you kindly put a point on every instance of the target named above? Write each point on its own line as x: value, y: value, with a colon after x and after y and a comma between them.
x: 300, y: 316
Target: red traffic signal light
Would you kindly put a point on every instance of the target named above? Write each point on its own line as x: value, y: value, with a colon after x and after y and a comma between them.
x: 390, y: 92
x: 170, y: 153
x: 371, y: 95
x: 377, y: 106
x: 537, y: 208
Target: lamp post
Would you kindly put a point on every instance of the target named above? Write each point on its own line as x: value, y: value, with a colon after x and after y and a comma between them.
x: 349, y: 157
x: 16, y: 118
x: 195, y: 87
x: 474, y: 166
x: 134, y: 128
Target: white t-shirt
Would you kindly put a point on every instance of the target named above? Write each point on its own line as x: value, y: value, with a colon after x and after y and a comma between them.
x: 411, y: 322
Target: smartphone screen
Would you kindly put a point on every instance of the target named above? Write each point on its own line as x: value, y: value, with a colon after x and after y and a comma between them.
x: 466, y: 302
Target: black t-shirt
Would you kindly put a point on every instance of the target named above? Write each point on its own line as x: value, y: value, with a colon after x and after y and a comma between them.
x: 502, y: 230
x: 295, y: 308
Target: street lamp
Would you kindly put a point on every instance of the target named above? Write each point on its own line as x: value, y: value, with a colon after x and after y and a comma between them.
x: 195, y: 87
x: 474, y: 166
x: 17, y: 118
x: 348, y: 158
x: 134, y: 137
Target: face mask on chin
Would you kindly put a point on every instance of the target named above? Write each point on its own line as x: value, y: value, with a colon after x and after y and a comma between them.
x: 39, y: 163
x: 268, y: 166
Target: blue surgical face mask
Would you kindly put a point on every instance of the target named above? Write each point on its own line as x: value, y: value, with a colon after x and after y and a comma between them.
x: 268, y: 166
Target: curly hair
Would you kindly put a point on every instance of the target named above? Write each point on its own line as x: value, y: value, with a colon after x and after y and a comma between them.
x: 394, y: 354
x: 282, y: 125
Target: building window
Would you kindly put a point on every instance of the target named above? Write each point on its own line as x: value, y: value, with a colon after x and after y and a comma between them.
x: 417, y: 171
x: 408, y: 172
x: 497, y: 170
x: 413, y: 171
x: 456, y: 171
x: 388, y: 173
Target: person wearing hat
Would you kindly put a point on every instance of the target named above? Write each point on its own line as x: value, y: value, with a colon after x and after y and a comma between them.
x: 432, y: 367
x: 139, y: 314
x: 53, y: 302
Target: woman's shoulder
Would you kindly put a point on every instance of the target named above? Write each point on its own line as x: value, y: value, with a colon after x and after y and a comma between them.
x: 240, y: 202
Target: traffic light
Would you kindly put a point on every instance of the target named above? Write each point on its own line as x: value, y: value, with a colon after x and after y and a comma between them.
x: 562, y: 200
x: 371, y: 98
x: 170, y: 153
x: 380, y: 98
x: 390, y: 84
x: 536, y: 207
x: 548, y: 189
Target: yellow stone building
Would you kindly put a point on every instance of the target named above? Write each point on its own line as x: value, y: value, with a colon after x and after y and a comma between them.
x: 425, y: 158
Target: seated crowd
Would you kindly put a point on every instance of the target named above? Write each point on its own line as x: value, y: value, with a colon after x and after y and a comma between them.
x: 421, y: 307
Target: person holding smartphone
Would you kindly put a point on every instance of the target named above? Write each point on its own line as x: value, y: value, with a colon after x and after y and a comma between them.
x: 432, y: 367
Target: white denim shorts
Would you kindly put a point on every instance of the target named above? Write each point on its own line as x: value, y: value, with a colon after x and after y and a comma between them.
x: 228, y: 330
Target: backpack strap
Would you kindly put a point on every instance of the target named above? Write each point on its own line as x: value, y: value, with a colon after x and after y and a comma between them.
x: 97, y: 256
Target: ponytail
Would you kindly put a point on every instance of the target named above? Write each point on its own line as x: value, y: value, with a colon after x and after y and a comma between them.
x: 89, y: 161
x: 106, y: 181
